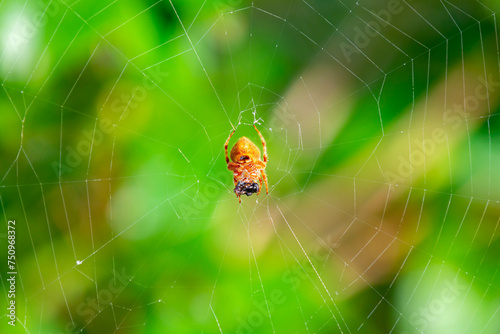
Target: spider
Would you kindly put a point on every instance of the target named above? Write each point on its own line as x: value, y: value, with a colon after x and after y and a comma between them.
x: 247, y: 166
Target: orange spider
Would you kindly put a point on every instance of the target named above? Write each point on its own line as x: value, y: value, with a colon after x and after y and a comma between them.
x: 247, y: 166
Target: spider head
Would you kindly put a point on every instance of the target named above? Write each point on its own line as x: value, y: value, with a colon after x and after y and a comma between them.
x: 246, y: 188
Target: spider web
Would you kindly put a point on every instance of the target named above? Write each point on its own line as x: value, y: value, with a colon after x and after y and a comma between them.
x: 382, y: 133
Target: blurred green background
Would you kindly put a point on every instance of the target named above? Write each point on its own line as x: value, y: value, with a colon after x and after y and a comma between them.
x: 381, y: 122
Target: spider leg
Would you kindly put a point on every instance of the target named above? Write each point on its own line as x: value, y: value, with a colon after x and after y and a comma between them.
x: 263, y: 144
x: 227, y: 143
x: 235, y: 183
x: 232, y: 166
x: 265, y: 181
x: 260, y: 186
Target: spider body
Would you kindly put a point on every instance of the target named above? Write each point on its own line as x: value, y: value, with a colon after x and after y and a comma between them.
x: 248, y: 169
